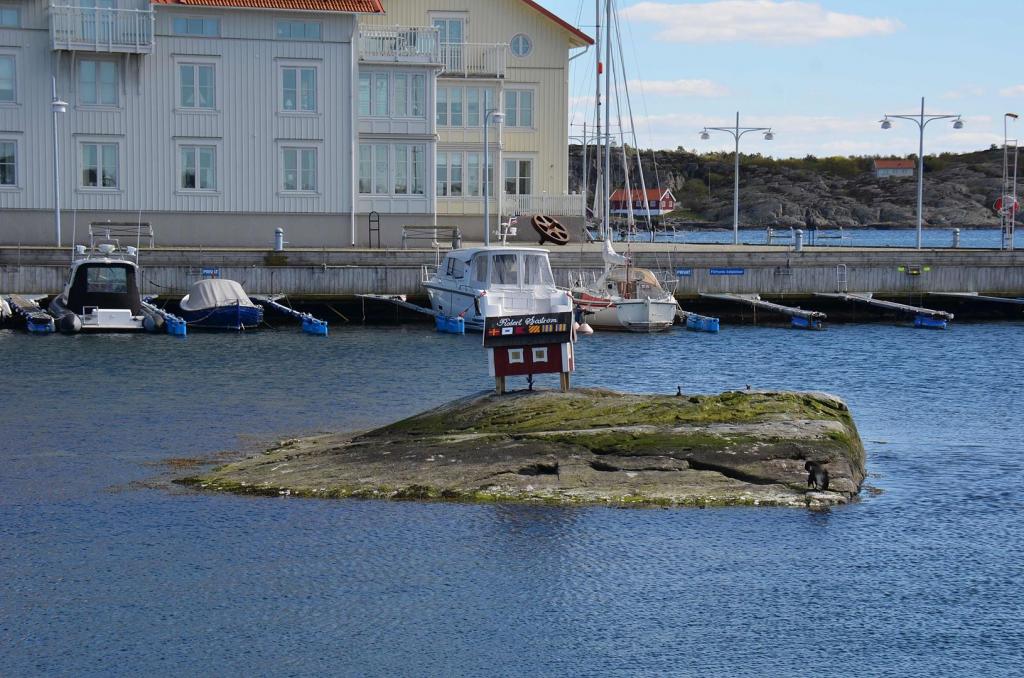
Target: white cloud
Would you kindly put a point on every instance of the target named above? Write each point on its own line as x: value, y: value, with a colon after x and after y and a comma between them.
x: 968, y: 91
x: 1014, y: 91
x: 694, y: 88
x: 767, y: 21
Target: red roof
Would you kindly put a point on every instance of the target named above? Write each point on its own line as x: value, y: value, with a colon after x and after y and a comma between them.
x: 636, y: 193
x: 561, y: 22
x: 894, y: 164
x: 348, y: 6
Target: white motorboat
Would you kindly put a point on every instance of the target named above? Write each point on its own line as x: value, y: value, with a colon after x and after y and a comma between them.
x: 478, y: 282
x: 625, y: 298
x: 102, y: 292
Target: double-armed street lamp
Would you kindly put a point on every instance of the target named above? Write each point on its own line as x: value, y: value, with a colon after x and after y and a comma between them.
x: 921, y: 120
x: 1008, y: 200
x: 498, y: 117
x: 737, y: 132
x: 57, y: 106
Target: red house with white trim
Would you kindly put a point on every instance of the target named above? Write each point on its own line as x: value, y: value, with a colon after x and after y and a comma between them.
x: 656, y: 202
x: 894, y: 168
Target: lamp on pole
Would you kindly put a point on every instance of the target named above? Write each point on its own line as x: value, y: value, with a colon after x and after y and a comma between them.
x: 921, y: 120
x: 737, y: 132
x: 1008, y: 200
x: 56, y: 106
x: 498, y: 117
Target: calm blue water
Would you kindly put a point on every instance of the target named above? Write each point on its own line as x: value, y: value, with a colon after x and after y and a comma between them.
x: 930, y: 237
x: 104, y: 573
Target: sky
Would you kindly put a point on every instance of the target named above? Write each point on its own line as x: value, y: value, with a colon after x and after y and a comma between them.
x: 820, y: 74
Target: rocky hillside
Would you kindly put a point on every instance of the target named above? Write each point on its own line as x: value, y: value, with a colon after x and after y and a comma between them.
x: 959, y: 189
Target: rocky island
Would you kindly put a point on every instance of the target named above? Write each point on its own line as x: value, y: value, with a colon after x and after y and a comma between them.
x: 588, y: 446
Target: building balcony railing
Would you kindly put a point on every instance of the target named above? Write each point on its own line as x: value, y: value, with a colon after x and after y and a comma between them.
x: 400, y: 44
x: 99, y: 29
x: 551, y: 205
x: 469, y: 59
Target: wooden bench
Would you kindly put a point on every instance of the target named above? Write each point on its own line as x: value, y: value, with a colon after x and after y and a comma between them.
x: 433, y: 235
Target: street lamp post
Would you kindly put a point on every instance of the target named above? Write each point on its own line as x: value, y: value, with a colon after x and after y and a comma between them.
x: 56, y: 106
x: 921, y: 120
x: 1008, y: 200
x: 736, y: 132
x: 498, y: 117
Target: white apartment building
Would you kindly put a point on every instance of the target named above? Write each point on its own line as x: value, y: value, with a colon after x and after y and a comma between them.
x: 217, y: 121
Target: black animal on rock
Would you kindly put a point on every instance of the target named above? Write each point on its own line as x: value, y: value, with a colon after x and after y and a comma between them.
x: 817, y: 476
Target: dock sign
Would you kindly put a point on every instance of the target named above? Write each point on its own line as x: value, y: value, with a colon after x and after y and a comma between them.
x: 211, y: 272
x: 727, y: 271
x: 528, y: 330
x: 684, y: 272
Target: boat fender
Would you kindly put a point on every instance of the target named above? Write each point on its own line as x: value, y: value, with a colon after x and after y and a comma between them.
x: 585, y: 328
x: 70, y: 323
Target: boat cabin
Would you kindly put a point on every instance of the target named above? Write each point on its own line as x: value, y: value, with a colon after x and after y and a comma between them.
x: 633, y: 283
x: 103, y: 284
x: 483, y: 268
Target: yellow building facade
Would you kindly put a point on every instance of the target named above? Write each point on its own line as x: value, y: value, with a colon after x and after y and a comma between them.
x: 510, y: 56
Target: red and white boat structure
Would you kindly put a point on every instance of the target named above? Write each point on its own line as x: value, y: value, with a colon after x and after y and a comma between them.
x: 625, y: 297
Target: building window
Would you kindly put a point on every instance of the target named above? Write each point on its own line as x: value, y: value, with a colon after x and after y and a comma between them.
x: 450, y: 31
x: 519, y: 108
x: 197, y: 26
x: 459, y: 174
x: 375, y: 169
x: 197, y: 83
x: 99, y: 165
x: 97, y: 83
x: 540, y: 354
x: 380, y: 94
x: 442, y: 174
x: 300, y: 169
x: 463, y: 106
x: 8, y: 163
x: 10, y: 17
x: 518, y: 177
x: 298, y: 30
x: 198, y: 168
x: 521, y: 45
x: 442, y: 106
x: 7, y: 79
x: 298, y: 89
x: 418, y: 97
x: 400, y: 95
x: 455, y: 107
x: 515, y: 356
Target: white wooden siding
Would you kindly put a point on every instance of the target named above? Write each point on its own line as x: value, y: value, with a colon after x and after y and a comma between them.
x: 246, y: 126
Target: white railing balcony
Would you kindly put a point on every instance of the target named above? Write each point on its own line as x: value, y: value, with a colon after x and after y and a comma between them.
x: 551, y: 205
x: 90, y: 29
x: 400, y: 44
x: 474, y: 59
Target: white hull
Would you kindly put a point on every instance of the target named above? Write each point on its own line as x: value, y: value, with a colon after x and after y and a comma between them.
x: 633, y: 315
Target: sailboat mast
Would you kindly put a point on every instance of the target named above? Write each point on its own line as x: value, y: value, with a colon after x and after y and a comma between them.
x: 598, y: 202
x: 607, y: 120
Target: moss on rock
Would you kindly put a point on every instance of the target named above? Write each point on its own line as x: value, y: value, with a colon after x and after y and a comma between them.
x: 589, y: 446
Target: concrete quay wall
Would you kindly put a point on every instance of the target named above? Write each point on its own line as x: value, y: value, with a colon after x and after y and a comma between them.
x: 339, y: 274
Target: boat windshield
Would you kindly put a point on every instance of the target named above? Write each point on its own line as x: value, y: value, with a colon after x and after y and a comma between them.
x: 107, y: 280
x: 504, y: 269
x: 537, y: 270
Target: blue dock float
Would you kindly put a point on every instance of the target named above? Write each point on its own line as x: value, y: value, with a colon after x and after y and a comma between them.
x: 701, y: 323
x: 802, y: 323
x: 800, y: 319
x: 926, y: 318
x: 450, y: 324
x: 37, y: 321
x: 175, y: 326
x: 310, y: 325
x: 929, y: 323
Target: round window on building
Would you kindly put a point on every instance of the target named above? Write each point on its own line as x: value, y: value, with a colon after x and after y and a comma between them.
x: 521, y: 45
